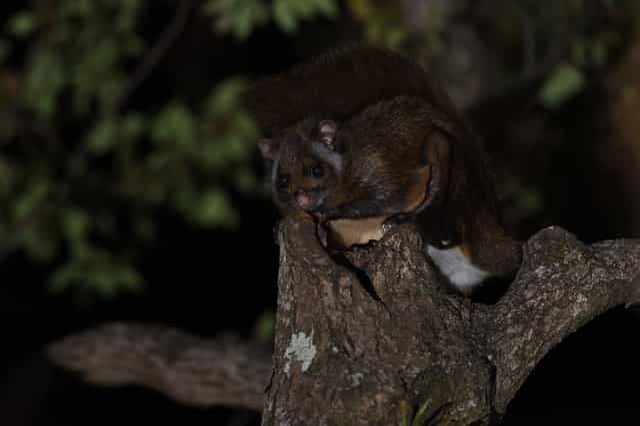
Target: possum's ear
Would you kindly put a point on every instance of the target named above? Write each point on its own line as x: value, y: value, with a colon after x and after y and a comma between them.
x: 328, y: 130
x: 269, y: 148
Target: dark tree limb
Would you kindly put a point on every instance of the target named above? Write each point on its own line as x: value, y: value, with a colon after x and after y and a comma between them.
x: 372, y: 343
x: 562, y: 285
x: 191, y: 370
x: 156, y: 53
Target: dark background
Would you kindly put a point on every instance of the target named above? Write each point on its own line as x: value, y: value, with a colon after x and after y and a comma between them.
x: 210, y: 281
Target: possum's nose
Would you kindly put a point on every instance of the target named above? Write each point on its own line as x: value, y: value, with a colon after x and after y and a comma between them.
x: 304, y: 200
x: 310, y: 199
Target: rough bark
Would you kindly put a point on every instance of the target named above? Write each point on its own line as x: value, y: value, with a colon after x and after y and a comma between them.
x: 189, y: 369
x: 371, y: 344
x: 360, y: 348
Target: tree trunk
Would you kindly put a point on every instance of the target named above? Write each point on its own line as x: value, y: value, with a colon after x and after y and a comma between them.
x: 375, y: 346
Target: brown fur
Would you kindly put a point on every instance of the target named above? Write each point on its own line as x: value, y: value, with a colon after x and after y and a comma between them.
x: 318, y: 87
x: 404, y: 150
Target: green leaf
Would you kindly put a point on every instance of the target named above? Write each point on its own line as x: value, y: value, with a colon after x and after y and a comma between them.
x: 103, y: 136
x: 264, y: 327
x: 124, y: 277
x: 404, y: 413
x: 133, y: 125
x: 44, y: 82
x: 243, y: 22
x: 215, y: 7
x: 284, y: 17
x: 245, y: 126
x: 579, y: 52
x: 99, y: 271
x: 328, y: 7
x: 75, y: 225
x: 563, y: 84
x: 599, y: 53
x: 21, y: 24
x: 213, y: 209
x: 39, y: 242
x: 304, y: 9
x: 77, y: 8
x: 239, y: 17
x: 31, y: 198
x: 175, y: 125
x: 225, y: 97
x: 419, y: 419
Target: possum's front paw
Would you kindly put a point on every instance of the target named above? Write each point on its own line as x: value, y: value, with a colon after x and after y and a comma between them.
x: 394, y: 221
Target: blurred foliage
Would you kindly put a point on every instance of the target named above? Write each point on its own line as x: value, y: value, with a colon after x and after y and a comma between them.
x: 265, y: 326
x: 381, y: 22
x: 241, y: 17
x: 564, y: 83
x: 563, y: 41
x: 82, y: 177
x: 588, y: 49
x: 84, y: 174
x: 419, y: 418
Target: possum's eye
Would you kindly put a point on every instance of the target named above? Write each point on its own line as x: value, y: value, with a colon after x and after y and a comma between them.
x: 282, y: 180
x: 317, y: 171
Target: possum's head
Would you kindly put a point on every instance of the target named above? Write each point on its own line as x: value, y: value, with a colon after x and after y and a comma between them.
x: 305, y: 164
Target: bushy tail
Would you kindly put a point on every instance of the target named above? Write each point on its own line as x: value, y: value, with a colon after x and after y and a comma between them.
x: 338, y: 84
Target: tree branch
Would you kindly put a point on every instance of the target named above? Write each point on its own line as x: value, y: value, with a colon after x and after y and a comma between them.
x: 157, y: 52
x: 356, y: 347
x: 378, y: 339
x: 191, y: 370
x: 561, y: 286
